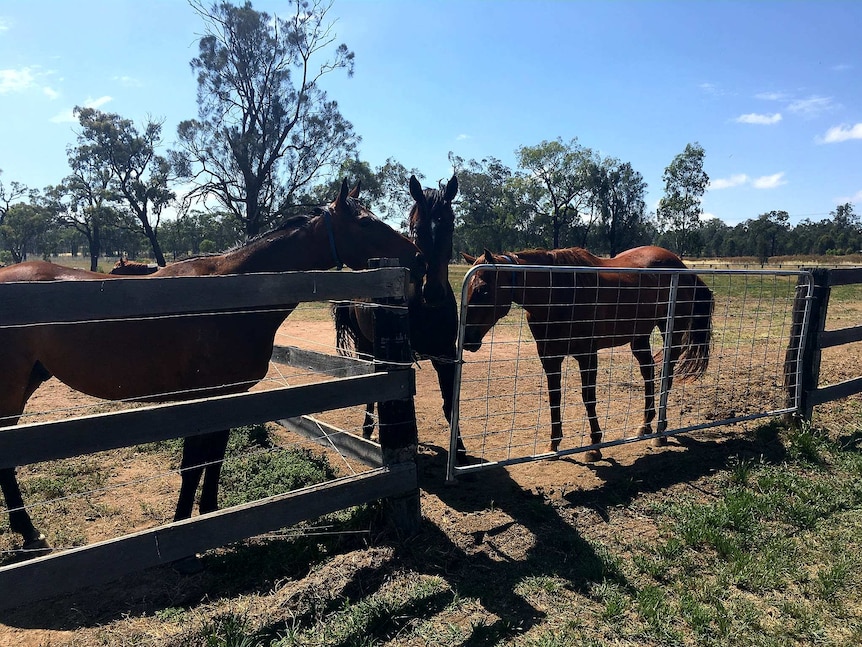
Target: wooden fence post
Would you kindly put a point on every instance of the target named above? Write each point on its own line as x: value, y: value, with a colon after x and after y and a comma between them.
x: 399, y: 438
x: 808, y: 377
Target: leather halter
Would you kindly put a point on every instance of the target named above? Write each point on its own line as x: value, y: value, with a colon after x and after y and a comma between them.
x: 327, y: 218
x: 514, y: 284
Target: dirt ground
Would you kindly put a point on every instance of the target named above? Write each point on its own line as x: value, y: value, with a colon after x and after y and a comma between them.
x: 484, y: 516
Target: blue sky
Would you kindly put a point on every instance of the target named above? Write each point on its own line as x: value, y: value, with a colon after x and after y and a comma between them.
x: 771, y: 90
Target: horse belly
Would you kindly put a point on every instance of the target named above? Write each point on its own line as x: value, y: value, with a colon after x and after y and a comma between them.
x: 160, y: 359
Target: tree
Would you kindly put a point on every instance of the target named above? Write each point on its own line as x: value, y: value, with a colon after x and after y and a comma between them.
x: 15, y: 191
x: 679, y: 210
x: 139, y: 177
x: 23, y: 225
x: 557, y: 183
x: 619, y: 193
x: 490, y: 212
x: 767, y: 234
x: 265, y: 128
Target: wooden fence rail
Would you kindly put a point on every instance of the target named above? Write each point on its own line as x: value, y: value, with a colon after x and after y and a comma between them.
x: 810, y: 314
x: 23, y: 304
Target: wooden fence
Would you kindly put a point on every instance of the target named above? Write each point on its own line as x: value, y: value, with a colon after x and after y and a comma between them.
x: 809, y: 323
x: 31, y: 304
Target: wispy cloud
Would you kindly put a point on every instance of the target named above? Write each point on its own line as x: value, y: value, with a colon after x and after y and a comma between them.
x: 728, y: 182
x: 51, y: 93
x: 462, y: 137
x: 12, y: 80
x: 755, y: 118
x: 842, y: 67
x: 129, y: 81
x: 741, y: 179
x: 772, y: 96
x: 841, y: 133
x: 855, y: 198
x: 4, y: 24
x: 769, y: 181
x: 68, y: 116
x: 810, y: 107
x: 713, y: 89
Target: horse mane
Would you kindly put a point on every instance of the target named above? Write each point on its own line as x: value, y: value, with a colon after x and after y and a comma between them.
x: 566, y: 256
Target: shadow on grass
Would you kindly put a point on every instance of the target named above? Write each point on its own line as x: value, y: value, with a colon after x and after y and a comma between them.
x: 467, y: 562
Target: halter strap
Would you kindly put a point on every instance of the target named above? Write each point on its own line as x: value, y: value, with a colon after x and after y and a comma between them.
x: 512, y: 261
x: 327, y: 218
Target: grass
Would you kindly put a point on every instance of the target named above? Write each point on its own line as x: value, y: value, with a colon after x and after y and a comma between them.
x: 765, y: 553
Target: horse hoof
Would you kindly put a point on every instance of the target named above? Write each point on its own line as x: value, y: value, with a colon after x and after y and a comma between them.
x: 593, y: 455
x: 644, y: 431
x: 659, y: 441
x: 36, y: 547
x: 191, y: 565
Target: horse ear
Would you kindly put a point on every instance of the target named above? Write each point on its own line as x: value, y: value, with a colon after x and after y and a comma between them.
x: 341, y: 200
x: 354, y: 192
x: 489, y: 256
x: 416, y: 190
x: 451, y: 189
x: 468, y: 258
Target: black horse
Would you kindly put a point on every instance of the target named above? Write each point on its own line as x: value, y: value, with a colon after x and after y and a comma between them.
x: 433, y: 314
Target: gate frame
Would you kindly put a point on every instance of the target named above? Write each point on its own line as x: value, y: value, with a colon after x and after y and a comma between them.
x: 793, y: 405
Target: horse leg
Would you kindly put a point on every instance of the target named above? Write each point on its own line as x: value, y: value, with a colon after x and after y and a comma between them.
x: 12, y: 404
x: 588, y: 364
x: 35, y: 543
x: 368, y: 425
x: 643, y: 354
x: 445, y: 369
x: 676, y: 348
x: 215, y: 447
x: 553, y: 368
x: 191, y: 469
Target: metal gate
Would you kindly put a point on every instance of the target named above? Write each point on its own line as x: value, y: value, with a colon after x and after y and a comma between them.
x: 501, y: 395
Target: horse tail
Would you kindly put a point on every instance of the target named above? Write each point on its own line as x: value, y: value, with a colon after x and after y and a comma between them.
x: 346, y: 330
x: 694, y: 358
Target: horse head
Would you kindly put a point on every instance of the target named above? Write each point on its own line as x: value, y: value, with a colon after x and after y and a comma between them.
x: 489, y: 296
x: 432, y: 225
x: 357, y: 235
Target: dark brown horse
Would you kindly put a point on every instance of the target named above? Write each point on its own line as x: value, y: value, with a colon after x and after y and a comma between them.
x: 580, y: 313
x: 433, y: 313
x: 187, y: 357
x: 124, y: 267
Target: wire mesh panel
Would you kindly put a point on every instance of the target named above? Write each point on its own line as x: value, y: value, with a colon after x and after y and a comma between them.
x: 638, y: 335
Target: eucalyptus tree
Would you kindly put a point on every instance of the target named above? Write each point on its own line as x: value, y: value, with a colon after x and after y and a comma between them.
x: 137, y: 177
x: 8, y: 195
x: 557, y: 183
x: 680, y: 209
x: 265, y: 129
x: 490, y: 211
x: 619, y: 195
x: 24, y: 224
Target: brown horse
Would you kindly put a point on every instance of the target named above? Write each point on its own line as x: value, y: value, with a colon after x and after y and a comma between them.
x: 433, y: 314
x: 580, y: 313
x: 187, y: 357
x: 125, y: 267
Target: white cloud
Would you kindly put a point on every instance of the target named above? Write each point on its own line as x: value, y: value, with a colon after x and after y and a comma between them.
x: 754, y: 118
x: 4, y: 24
x: 16, y: 80
x: 741, y: 179
x: 842, y: 133
x: 129, y: 81
x: 725, y: 183
x: 772, y: 96
x: 811, y: 106
x: 68, y: 116
x: 769, y: 181
x: 462, y: 137
x: 856, y: 198
x: 51, y: 93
